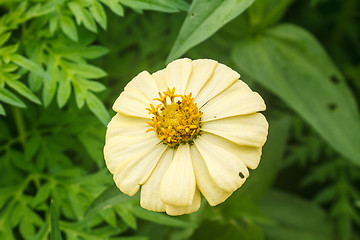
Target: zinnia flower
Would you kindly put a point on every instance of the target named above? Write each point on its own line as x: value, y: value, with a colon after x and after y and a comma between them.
x: 190, y: 128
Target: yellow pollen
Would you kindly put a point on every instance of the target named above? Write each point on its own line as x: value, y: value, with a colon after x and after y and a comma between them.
x: 175, y: 122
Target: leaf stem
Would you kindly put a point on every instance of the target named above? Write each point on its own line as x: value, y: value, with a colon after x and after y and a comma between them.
x: 20, y: 127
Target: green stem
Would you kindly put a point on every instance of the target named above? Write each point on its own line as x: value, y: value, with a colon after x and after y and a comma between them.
x: 20, y: 127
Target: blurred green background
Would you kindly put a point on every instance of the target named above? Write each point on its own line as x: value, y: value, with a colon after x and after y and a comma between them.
x: 64, y: 62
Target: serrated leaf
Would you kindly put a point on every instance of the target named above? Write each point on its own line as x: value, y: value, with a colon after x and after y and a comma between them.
x: 8, y: 97
x: 114, y: 6
x: 91, y: 85
x: 295, y: 67
x: 42, y: 194
x: 24, y: 91
x: 80, y: 94
x: 55, y: 229
x: 8, y: 67
x: 29, y: 65
x: 53, y: 24
x: 82, y: 16
x: 86, y: 70
x: 50, y: 86
x: 99, y: 14
x: 160, y: 218
x: 93, y: 52
x: 4, y: 37
x: 63, y: 92
x: 204, y: 19
x: 68, y: 27
x: 32, y: 146
x: 9, y: 49
x: 98, y: 108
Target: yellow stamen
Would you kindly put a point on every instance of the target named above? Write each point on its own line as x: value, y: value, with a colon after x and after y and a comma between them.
x: 175, y: 122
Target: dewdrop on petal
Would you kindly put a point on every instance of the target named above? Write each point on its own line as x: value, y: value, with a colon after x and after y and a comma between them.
x: 190, y: 128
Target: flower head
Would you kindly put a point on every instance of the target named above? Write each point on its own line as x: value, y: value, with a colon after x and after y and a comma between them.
x: 190, y: 128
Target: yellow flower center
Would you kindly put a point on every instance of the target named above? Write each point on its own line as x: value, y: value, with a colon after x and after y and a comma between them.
x: 174, y: 121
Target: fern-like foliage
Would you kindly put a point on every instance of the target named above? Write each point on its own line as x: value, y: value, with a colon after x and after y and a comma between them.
x: 49, y: 43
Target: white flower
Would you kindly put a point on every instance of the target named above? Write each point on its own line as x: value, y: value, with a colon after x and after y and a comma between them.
x: 190, y: 128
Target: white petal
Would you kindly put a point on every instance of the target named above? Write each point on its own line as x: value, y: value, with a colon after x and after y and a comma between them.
x: 236, y: 100
x: 212, y: 192
x: 178, y: 73
x: 160, y: 77
x: 250, y: 130
x: 224, y: 167
x: 250, y: 156
x: 150, y: 191
x: 201, y: 73
x: 132, y: 102
x: 222, y: 78
x: 135, y: 171
x: 178, y: 184
x: 146, y: 84
x: 176, y: 210
x: 125, y: 137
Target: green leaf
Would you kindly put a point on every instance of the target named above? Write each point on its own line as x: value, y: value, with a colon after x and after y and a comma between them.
x: 8, y: 97
x: 114, y: 6
x: 80, y: 94
x: 99, y: 14
x: 86, y: 70
x: 127, y: 216
x: 160, y: 218
x: 24, y: 91
x: 29, y: 65
x: 156, y: 5
x: 9, y: 49
x: 107, y: 199
x: 93, y: 52
x: 295, y: 67
x: 264, y: 13
x: 4, y: 37
x: 295, y: 218
x: 50, y: 86
x: 204, y: 19
x: 98, y: 108
x: 68, y: 27
x: 42, y: 194
x: 91, y: 85
x: 64, y: 92
x: 2, y: 110
x: 82, y: 15
x: 55, y: 229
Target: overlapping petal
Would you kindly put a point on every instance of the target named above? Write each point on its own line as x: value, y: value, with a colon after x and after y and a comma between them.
x: 222, y: 78
x: 236, y: 100
x: 178, y: 73
x: 178, y: 210
x: 202, y: 70
x: 224, y: 167
x: 178, y: 184
x: 132, y: 103
x: 125, y: 138
x: 135, y: 171
x: 150, y: 191
x: 250, y: 130
x: 146, y: 84
x: 211, y: 191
